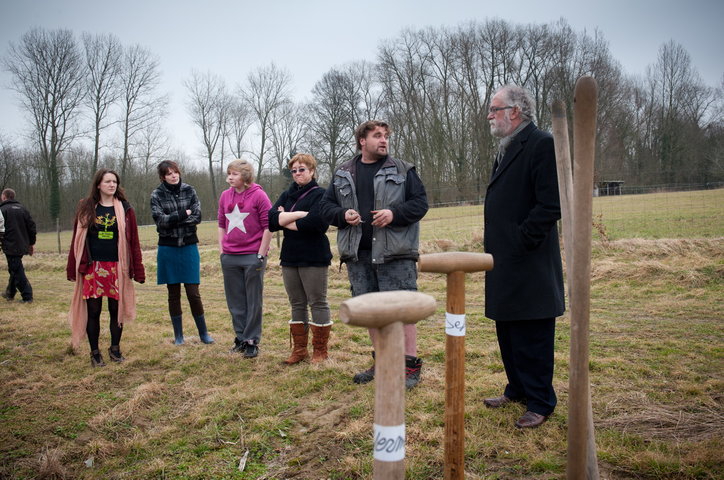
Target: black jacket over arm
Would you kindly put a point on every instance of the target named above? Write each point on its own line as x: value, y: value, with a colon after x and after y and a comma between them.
x: 308, y: 246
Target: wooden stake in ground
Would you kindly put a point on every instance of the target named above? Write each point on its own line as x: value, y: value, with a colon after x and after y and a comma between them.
x: 455, y: 265
x: 387, y: 311
x: 576, y: 212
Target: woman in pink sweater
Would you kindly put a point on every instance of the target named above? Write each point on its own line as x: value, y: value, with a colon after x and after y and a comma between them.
x: 244, y: 239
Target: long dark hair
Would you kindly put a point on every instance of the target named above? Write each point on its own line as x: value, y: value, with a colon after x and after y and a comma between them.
x: 87, y: 207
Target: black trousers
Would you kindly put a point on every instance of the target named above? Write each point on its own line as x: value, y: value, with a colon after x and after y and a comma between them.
x: 18, y: 281
x: 526, y: 347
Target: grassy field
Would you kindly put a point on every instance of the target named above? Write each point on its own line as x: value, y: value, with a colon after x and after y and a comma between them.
x: 657, y: 371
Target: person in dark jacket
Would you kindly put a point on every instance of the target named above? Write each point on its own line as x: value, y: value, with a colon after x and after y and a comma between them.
x: 18, y: 240
x: 377, y: 201
x: 104, y: 259
x: 305, y: 258
x: 176, y: 209
x: 524, y: 292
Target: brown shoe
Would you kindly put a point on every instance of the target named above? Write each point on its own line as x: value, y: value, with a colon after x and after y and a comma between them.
x: 531, y: 420
x: 497, y: 402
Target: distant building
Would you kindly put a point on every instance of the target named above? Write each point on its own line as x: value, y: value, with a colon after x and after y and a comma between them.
x: 608, y: 187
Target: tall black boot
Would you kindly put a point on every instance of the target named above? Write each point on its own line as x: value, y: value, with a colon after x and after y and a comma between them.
x: 178, y: 330
x: 201, y: 325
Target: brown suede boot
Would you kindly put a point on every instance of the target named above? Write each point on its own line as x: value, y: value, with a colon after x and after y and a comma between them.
x: 320, y: 338
x: 298, y: 331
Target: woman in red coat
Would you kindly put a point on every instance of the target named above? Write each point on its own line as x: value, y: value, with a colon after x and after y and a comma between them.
x: 104, y: 258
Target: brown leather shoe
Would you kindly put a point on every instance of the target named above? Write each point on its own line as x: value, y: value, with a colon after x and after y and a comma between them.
x: 497, y: 402
x: 531, y: 420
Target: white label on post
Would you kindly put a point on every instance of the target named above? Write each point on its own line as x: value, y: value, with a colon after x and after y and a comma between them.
x: 455, y: 324
x: 389, y: 443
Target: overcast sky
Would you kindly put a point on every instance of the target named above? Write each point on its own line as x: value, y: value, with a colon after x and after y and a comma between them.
x: 231, y: 38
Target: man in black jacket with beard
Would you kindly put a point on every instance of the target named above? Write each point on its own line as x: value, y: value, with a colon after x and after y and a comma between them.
x: 524, y: 292
x: 19, y: 240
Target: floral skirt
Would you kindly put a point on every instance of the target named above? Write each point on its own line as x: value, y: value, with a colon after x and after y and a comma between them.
x: 101, y: 281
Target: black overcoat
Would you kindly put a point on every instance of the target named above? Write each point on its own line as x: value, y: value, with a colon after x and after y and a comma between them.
x: 522, y: 207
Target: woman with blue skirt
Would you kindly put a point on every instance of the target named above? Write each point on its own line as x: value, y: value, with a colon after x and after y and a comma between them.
x: 176, y: 210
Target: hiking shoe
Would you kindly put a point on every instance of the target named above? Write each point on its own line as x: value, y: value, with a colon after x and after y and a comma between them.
x: 97, y: 359
x: 116, y: 355
x: 413, y: 368
x: 365, y: 377
x: 239, y: 347
x: 251, y: 350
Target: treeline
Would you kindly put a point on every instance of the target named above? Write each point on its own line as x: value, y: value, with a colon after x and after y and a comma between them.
x: 95, y: 102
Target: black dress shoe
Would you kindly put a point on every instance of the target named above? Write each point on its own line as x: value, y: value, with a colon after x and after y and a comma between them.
x: 531, y: 420
x: 497, y: 402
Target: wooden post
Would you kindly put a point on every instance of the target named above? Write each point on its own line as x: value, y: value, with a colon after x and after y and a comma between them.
x: 387, y: 311
x: 455, y: 265
x: 576, y: 212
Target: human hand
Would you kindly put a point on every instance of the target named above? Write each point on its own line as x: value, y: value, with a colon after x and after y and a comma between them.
x: 352, y: 217
x: 381, y: 218
x: 188, y: 212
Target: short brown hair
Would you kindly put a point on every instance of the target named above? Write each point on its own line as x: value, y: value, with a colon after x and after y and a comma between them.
x: 242, y: 166
x: 305, y: 159
x: 8, y: 194
x: 362, y: 131
x: 166, y: 167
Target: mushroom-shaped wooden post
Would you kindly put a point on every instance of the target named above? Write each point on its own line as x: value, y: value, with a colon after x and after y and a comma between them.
x: 455, y: 265
x: 387, y: 311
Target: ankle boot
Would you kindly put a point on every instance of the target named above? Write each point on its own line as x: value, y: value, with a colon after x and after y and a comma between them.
x: 413, y: 368
x: 203, y: 333
x: 320, y: 338
x: 178, y: 330
x: 97, y: 359
x: 298, y: 331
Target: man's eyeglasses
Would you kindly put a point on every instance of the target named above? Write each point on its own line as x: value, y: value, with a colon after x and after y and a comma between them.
x: 300, y: 170
x: 495, y: 110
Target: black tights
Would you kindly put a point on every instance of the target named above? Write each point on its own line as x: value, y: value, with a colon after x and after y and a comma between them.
x: 192, y: 294
x: 93, y: 328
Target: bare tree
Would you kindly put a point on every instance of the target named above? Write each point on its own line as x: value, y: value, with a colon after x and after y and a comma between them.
x: 152, y: 146
x: 48, y: 74
x: 208, y: 106
x: 287, y: 131
x: 268, y: 88
x: 141, y: 105
x: 333, y: 118
x: 103, y: 54
x: 9, y: 162
x: 240, y: 119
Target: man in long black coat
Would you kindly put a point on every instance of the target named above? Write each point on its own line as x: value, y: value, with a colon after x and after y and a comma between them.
x: 524, y: 292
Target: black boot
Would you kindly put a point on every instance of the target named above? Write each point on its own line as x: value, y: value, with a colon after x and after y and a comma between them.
x: 97, y: 359
x: 203, y: 333
x: 413, y: 368
x: 367, y: 375
x: 178, y: 330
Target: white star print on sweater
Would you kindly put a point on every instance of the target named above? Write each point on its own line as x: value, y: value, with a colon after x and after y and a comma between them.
x: 236, y: 220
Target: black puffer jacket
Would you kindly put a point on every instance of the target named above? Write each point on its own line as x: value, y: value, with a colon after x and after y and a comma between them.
x: 20, y: 229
